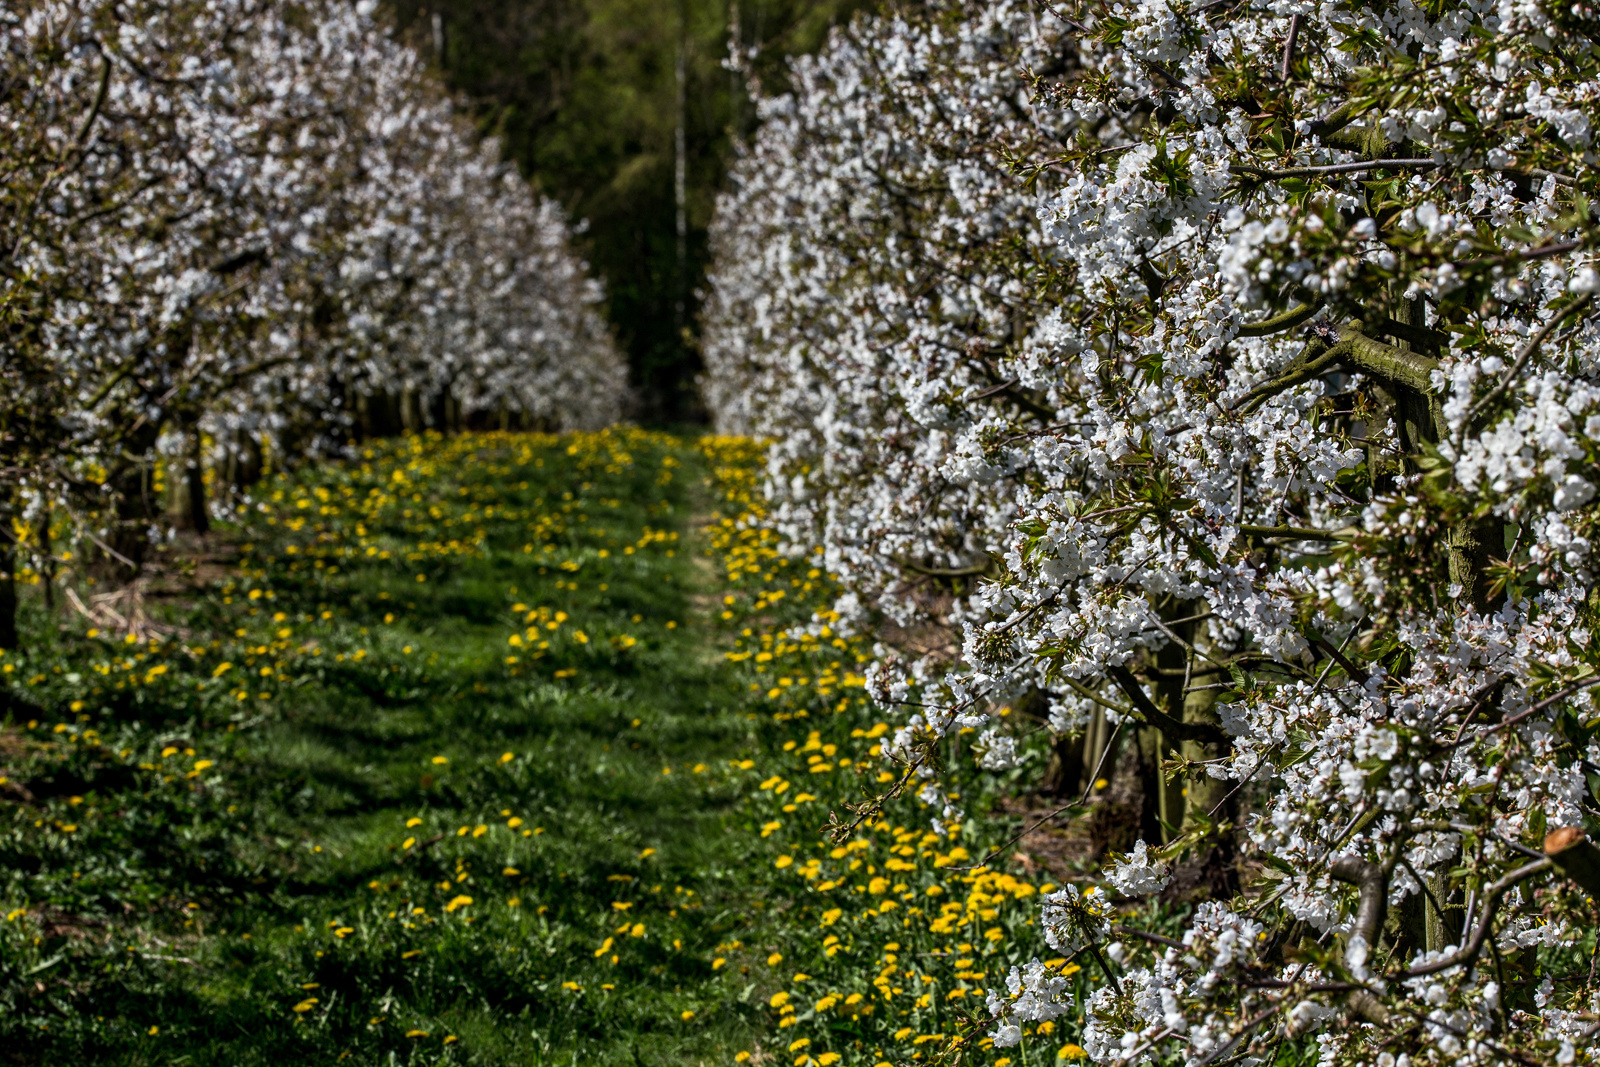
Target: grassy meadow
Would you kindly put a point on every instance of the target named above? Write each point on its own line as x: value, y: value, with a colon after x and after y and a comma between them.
x: 489, y: 749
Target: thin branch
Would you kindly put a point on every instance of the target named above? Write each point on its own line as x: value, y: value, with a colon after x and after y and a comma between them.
x: 1528, y: 349
x: 113, y: 553
x: 1298, y: 532
x: 1546, y: 251
x: 1164, y: 72
x: 1263, y: 174
x: 995, y: 853
x: 1288, y: 47
x: 1146, y: 935
x: 1315, y: 358
x: 1089, y: 694
x: 1576, y: 687
x: 1338, y: 657
x: 1255, y: 1021
x: 99, y: 104
x: 950, y: 572
x: 1164, y: 628
x: 1099, y: 766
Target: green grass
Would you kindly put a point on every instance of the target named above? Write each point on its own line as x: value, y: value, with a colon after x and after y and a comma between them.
x: 247, y: 835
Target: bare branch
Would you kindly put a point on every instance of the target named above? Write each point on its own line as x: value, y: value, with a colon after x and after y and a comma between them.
x: 1288, y: 47
x: 1263, y: 174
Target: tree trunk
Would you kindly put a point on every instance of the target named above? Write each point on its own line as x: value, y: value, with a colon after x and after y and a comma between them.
x: 411, y: 419
x: 1127, y: 809
x: 195, y: 477
x: 132, y: 505
x: 1211, y: 871
x: 8, y: 576
x: 1063, y: 775
x: 47, y: 561
x: 244, y: 462
x: 680, y: 157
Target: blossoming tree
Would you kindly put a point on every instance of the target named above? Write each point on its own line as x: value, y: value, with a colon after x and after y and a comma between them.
x: 1228, y: 371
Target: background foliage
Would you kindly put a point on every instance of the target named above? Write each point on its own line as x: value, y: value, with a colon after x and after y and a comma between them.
x: 584, y: 95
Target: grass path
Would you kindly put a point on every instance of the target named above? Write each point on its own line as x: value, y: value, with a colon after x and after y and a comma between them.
x: 481, y: 754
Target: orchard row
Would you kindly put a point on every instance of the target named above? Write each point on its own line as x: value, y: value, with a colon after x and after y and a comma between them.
x: 250, y: 228
x: 1217, y: 385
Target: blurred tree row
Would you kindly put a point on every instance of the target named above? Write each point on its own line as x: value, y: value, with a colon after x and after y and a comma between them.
x: 626, y: 111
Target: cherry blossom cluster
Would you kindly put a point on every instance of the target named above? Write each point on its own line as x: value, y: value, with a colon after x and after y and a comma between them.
x: 1228, y: 370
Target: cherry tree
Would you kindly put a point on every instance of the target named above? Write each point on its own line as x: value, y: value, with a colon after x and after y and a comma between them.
x: 1283, y: 447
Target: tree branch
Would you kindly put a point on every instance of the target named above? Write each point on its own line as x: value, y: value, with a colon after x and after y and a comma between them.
x: 1262, y: 174
x: 1575, y: 857
x: 1509, y: 377
x: 1338, y: 118
x: 1287, y: 320
x: 1315, y: 358
x: 1410, y: 369
x: 1372, y: 882
x: 1287, y: 65
x: 1338, y: 657
x: 951, y: 572
x: 1491, y: 900
x: 99, y: 104
x: 1416, y: 335
x: 1146, y: 935
x: 1175, y: 729
x: 1296, y: 532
